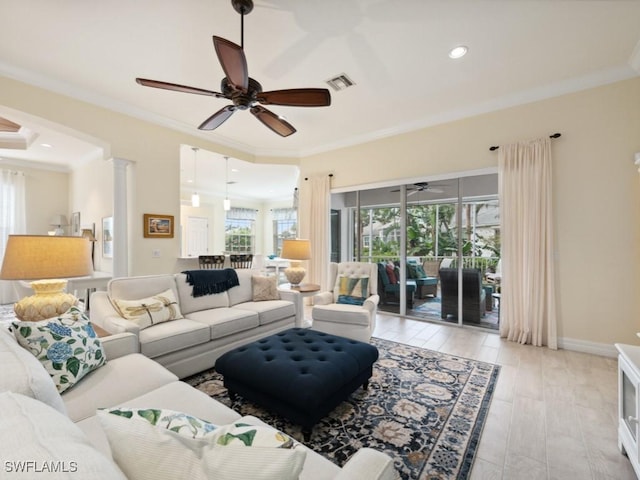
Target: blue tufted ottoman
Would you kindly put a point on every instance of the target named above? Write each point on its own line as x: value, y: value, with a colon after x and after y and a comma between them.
x: 300, y: 373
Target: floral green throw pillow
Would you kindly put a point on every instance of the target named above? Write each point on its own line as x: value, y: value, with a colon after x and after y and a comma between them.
x: 67, y: 346
x: 161, y: 444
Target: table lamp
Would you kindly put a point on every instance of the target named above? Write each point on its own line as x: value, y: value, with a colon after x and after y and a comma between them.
x: 88, y: 234
x: 58, y: 221
x: 295, y: 250
x: 45, y: 259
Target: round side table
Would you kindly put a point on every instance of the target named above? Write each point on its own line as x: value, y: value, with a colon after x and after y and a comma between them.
x: 305, y: 289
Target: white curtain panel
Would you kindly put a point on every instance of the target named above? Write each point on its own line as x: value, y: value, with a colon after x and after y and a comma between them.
x: 314, y: 224
x: 527, y: 303
x: 12, y: 220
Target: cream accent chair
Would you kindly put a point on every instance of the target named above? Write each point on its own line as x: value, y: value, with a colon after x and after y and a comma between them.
x: 352, y: 321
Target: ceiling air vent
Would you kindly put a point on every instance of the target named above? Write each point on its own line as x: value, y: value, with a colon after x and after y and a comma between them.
x: 340, y: 82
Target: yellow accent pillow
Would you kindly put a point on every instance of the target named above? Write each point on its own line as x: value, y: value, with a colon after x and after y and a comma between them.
x: 151, y: 310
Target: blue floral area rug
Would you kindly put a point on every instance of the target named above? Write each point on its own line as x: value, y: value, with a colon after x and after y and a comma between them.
x: 425, y: 409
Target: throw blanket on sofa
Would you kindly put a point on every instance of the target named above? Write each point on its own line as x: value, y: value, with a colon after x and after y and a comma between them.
x: 207, y: 282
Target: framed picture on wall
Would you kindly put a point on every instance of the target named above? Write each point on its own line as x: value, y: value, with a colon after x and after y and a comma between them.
x: 107, y: 237
x: 75, y: 224
x: 158, y: 226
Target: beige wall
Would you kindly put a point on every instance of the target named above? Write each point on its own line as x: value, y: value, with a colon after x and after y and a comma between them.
x: 596, y: 187
x: 46, y: 194
x: 153, y: 175
x: 596, y: 192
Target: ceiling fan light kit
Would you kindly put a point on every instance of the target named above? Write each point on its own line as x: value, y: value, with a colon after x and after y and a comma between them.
x: 244, y: 92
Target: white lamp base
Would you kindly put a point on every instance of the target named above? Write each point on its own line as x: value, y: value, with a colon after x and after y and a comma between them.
x: 50, y: 300
x: 295, y: 273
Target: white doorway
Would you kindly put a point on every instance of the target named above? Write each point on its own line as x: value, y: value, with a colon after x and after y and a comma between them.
x: 197, y: 236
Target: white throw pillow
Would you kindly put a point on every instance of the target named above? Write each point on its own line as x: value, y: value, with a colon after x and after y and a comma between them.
x: 40, y: 442
x: 23, y: 373
x: 151, y: 310
x: 67, y: 346
x: 145, y: 446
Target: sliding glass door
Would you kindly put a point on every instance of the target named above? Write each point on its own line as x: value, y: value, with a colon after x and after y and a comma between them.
x: 436, y: 245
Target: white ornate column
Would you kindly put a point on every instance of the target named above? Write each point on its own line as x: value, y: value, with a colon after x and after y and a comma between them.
x: 120, y: 207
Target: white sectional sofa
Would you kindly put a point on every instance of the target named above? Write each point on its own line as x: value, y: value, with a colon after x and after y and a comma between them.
x: 40, y: 428
x: 212, y: 324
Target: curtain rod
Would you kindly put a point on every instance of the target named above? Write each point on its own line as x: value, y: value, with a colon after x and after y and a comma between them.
x: 555, y: 135
x: 330, y: 175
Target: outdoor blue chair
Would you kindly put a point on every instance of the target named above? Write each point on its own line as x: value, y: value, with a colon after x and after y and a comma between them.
x: 391, y: 291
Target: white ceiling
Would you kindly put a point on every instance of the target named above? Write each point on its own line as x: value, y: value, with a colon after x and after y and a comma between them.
x: 395, y: 51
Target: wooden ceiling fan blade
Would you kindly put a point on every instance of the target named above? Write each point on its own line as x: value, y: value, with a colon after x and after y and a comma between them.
x: 296, y: 97
x: 8, y: 126
x: 218, y: 118
x: 177, y: 88
x: 273, y: 121
x: 233, y: 62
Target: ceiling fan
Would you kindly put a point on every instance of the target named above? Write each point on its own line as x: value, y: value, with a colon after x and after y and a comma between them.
x: 244, y: 92
x: 8, y: 126
x: 420, y: 187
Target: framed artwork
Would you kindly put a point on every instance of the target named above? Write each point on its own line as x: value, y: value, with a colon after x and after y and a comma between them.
x: 75, y: 224
x: 107, y: 237
x: 158, y: 226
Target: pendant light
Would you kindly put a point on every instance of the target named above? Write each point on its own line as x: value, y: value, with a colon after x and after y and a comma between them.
x: 195, y: 198
x: 227, y: 203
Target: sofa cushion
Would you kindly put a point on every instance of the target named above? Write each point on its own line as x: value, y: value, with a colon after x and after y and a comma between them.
x: 189, y: 303
x: 338, y: 313
x: 148, y: 311
x: 269, y: 311
x: 35, y: 437
x: 243, y: 292
x: 144, y: 450
x: 264, y: 288
x: 226, y: 321
x: 132, y: 288
x: 415, y: 270
x: 119, y: 380
x: 67, y: 346
x: 23, y: 373
x: 171, y: 336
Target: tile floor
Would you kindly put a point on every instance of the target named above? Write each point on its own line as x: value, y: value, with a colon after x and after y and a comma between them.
x: 553, y: 415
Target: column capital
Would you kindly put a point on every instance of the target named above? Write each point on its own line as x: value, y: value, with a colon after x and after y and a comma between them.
x: 121, y: 162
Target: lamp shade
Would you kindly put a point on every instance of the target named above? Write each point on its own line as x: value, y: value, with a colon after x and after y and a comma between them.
x: 297, y: 249
x: 35, y: 257
x: 88, y: 234
x: 58, y: 220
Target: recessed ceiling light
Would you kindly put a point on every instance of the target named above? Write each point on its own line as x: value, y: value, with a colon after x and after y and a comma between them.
x: 458, y: 52
x: 46, y: 145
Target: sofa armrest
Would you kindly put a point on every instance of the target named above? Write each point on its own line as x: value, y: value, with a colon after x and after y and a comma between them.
x: 368, y: 464
x: 295, y: 298
x: 323, y: 298
x: 119, y: 345
x: 104, y: 315
x: 371, y: 303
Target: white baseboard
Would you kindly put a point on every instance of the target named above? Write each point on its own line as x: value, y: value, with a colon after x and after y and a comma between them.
x: 584, y: 346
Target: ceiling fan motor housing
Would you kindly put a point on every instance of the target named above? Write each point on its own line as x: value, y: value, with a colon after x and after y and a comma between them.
x: 241, y: 99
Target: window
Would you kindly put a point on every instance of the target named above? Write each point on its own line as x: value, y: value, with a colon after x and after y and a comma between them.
x: 239, y: 228
x: 285, y: 226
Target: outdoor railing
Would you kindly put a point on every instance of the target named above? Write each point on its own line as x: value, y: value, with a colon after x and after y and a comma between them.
x: 485, y: 264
